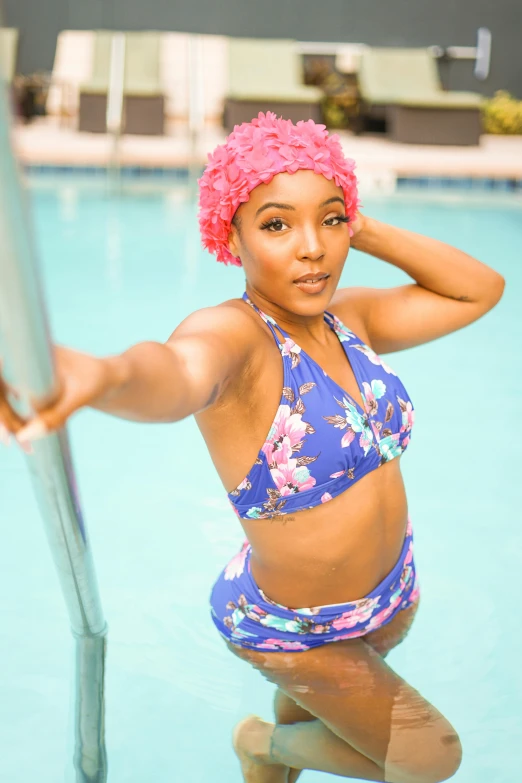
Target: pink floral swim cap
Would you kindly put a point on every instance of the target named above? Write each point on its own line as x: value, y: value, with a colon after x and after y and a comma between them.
x: 254, y: 153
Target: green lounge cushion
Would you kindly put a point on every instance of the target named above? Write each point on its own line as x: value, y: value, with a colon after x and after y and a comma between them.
x: 267, y: 70
x: 408, y: 77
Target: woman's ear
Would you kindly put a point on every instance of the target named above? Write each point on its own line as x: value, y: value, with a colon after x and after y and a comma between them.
x: 233, y: 241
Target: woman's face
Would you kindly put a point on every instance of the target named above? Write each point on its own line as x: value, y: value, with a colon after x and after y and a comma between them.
x: 292, y: 239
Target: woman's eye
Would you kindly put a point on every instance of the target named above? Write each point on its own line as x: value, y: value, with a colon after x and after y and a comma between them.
x: 335, y: 220
x: 275, y: 225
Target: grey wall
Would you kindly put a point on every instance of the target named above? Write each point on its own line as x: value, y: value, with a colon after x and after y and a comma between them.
x: 377, y: 22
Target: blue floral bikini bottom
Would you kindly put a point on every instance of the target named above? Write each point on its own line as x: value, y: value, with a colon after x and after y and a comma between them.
x: 246, y: 617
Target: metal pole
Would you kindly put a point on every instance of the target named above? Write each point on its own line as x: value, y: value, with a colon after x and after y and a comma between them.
x: 196, y: 97
x: 483, y: 53
x: 90, y: 756
x: 25, y: 348
x: 115, y: 101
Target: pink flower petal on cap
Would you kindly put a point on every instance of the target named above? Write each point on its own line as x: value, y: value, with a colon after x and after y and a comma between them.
x: 255, y: 152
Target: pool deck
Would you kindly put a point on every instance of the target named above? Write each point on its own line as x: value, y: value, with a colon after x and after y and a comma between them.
x: 45, y: 143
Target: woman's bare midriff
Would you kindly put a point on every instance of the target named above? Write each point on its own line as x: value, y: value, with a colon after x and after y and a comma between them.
x: 337, y: 552
x: 333, y: 553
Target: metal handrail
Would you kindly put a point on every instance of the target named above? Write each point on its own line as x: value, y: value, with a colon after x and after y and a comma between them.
x: 28, y: 368
x: 196, y: 101
x: 115, y: 92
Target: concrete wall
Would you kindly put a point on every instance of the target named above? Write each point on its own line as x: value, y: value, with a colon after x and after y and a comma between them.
x: 377, y: 22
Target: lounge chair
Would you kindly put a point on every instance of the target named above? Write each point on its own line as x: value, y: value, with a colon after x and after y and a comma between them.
x: 93, y: 94
x: 143, y: 98
x: 265, y: 75
x: 71, y: 68
x: 8, y: 53
x: 402, y: 86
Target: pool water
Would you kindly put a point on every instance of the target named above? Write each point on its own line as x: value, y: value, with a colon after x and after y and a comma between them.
x: 123, y: 269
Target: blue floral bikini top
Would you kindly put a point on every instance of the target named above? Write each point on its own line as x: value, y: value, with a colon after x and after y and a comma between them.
x: 321, y: 441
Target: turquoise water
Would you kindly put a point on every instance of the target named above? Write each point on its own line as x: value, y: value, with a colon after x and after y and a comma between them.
x: 127, y: 269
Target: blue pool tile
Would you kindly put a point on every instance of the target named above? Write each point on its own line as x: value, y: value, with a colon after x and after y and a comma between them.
x: 460, y: 183
x: 505, y: 184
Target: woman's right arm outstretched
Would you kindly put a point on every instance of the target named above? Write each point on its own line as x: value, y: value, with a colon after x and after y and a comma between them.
x: 150, y: 382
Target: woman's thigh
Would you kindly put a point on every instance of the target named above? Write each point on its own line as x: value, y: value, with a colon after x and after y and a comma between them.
x: 383, y: 640
x: 351, y: 689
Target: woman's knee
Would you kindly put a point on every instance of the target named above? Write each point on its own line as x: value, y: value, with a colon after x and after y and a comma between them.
x: 426, y: 762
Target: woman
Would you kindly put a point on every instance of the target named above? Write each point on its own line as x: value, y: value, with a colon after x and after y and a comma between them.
x: 321, y: 497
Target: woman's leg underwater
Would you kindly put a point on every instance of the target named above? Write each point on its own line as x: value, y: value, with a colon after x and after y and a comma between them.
x: 383, y: 640
x: 368, y: 722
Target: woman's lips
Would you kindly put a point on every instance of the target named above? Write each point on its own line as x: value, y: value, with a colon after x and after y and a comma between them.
x: 312, y: 285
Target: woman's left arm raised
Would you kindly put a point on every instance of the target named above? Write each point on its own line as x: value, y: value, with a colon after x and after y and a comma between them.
x: 451, y: 289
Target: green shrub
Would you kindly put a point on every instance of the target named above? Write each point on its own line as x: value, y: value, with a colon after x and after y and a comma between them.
x: 340, y: 105
x: 502, y: 114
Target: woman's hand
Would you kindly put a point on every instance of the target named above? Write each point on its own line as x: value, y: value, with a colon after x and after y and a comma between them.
x: 82, y: 379
x: 357, y: 226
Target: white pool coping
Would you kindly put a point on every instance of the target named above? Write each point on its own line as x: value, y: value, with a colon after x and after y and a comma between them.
x: 45, y: 143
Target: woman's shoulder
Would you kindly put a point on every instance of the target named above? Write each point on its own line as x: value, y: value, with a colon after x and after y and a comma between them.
x: 229, y: 329
x: 230, y: 319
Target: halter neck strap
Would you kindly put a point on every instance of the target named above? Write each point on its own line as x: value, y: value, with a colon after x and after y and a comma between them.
x: 273, y: 325
x: 269, y: 321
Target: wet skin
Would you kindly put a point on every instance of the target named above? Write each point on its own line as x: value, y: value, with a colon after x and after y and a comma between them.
x: 341, y: 709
